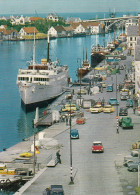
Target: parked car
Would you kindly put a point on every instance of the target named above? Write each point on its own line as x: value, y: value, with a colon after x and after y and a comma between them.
x: 54, y: 190
x: 109, y: 88
x: 103, y: 84
x: 108, y: 109
x: 126, y: 123
x: 80, y: 120
x: 133, y: 166
x: 70, y: 107
x: 74, y: 134
x: 128, y: 159
x: 113, y: 101
x: 129, y: 103
x: 135, y: 153
x: 124, y: 97
x: 136, y: 145
x: 123, y: 111
x: 97, y: 146
x: 96, y: 109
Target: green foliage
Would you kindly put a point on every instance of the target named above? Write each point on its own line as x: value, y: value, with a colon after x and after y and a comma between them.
x: 41, y: 25
x: 5, y: 22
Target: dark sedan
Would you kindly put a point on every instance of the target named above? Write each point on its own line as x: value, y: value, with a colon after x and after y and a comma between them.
x: 123, y: 112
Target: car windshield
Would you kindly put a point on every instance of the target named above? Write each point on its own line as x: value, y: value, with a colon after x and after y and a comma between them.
x: 123, y: 109
x: 113, y: 99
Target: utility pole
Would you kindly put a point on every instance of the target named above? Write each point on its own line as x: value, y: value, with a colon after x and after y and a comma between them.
x: 71, y: 169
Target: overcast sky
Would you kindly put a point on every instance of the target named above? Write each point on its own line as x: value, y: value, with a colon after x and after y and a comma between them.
x: 64, y: 6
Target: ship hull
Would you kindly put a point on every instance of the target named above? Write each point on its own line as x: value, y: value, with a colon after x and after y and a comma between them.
x: 96, y: 59
x: 32, y: 93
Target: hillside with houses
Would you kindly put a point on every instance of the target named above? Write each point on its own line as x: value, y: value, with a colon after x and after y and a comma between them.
x: 22, y: 28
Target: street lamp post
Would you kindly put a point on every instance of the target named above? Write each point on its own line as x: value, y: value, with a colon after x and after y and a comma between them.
x: 117, y: 106
x: 71, y: 169
x: 79, y: 77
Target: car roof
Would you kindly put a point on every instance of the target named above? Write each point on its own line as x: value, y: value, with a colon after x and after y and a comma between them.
x: 74, y: 130
x: 97, y: 142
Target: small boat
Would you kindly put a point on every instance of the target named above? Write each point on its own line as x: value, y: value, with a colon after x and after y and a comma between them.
x: 82, y: 71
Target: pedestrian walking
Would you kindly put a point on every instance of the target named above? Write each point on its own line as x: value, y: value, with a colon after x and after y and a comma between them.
x: 134, y: 110
x: 58, y: 156
x: 66, y: 120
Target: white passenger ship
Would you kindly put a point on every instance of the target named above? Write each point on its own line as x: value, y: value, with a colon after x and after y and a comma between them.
x: 42, y: 82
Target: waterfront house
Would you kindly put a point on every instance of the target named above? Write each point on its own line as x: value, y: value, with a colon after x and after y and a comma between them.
x: 53, y: 17
x: 16, y: 20
x: 57, y: 31
x: 78, y: 29
x: 88, y: 27
x: 95, y: 27
x: 27, y: 31
x: 69, y: 31
x: 8, y: 34
x: 132, y: 34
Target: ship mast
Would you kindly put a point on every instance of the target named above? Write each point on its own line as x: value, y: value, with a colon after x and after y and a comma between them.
x: 86, y: 54
x: 48, y: 49
x: 34, y: 50
x: 83, y: 55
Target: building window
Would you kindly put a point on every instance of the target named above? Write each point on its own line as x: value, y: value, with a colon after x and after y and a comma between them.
x: 130, y: 38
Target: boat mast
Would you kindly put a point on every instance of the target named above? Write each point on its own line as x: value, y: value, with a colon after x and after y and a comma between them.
x: 48, y: 49
x: 34, y: 50
x: 83, y: 54
x: 86, y: 54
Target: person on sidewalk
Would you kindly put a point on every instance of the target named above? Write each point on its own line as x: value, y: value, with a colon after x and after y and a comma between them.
x: 58, y: 156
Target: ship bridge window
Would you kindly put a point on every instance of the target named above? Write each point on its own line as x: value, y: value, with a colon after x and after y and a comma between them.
x: 23, y: 78
x: 41, y: 79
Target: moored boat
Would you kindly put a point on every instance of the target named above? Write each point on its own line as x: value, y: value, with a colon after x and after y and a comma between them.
x: 82, y: 71
x: 98, y: 54
x: 42, y: 82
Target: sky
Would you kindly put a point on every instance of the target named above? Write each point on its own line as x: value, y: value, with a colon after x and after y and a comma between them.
x: 67, y: 6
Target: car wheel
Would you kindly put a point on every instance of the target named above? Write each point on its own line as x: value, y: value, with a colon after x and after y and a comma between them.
x: 134, y: 169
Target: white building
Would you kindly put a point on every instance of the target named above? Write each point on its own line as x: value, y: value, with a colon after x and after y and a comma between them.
x: 57, y: 31
x: 132, y: 34
x: 131, y: 22
x: 53, y: 17
x: 15, y: 20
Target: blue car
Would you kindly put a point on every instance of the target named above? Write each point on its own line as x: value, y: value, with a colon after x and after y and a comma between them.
x: 109, y: 88
x: 74, y: 134
x: 129, y: 103
x: 113, y: 101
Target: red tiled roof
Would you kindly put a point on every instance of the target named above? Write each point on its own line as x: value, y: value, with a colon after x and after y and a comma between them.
x: 30, y: 30
x: 7, y: 32
x: 35, y: 18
